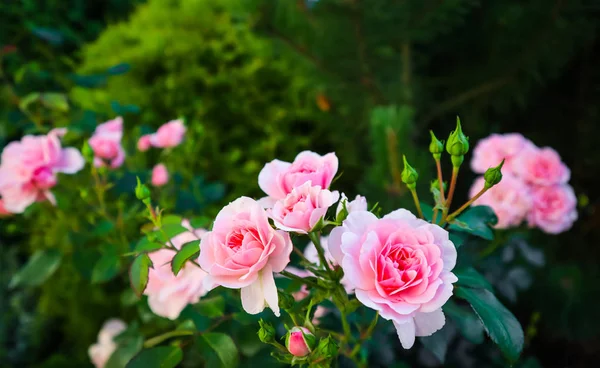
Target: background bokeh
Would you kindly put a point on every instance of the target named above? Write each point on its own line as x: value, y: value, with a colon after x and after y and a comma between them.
x: 257, y: 80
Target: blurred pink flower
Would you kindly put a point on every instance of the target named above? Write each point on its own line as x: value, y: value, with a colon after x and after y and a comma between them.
x: 168, y: 294
x: 106, y: 143
x: 510, y: 199
x: 302, y: 208
x: 279, y: 178
x: 101, y: 351
x: 160, y: 175
x: 242, y: 251
x: 541, y: 166
x: 554, y: 208
x: 143, y: 143
x: 490, y: 151
x: 169, y: 134
x: 400, y: 266
x: 29, y: 167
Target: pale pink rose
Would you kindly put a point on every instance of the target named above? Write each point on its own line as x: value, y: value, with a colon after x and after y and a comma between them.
x: 169, y: 134
x: 168, y: 294
x: 101, y: 351
x: 358, y: 204
x: 278, y: 178
x: 311, y: 254
x: 242, y: 251
x: 400, y: 266
x: 30, y: 166
x: 106, y: 143
x: 554, y: 208
x: 160, y: 175
x: 510, y: 199
x: 490, y: 151
x: 302, y: 208
x: 143, y: 144
x: 541, y: 166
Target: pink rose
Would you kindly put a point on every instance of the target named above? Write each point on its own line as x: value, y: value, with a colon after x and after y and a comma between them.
x: 143, y: 143
x: 278, y: 178
x: 490, y: 151
x: 310, y: 253
x: 101, y: 351
x: 510, y: 199
x: 541, y: 166
x: 29, y: 167
x: 358, y: 204
x: 243, y: 251
x: 169, y: 134
x: 300, y: 341
x: 106, y: 143
x: 400, y: 266
x: 160, y: 175
x: 168, y: 294
x: 554, y: 208
x: 303, y: 208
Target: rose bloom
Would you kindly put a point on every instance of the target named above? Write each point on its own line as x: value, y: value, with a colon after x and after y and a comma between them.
x: 400, y: 266
x: 169, y: 134
x: 160, y: 175
x: 106, y: 143
x: 541, y: 166
x: 302, y: 208
x: 510, y: 199
x: 242, y: 251
x: 358, y: 204
x: 143, y: 144
x: 310, y: 253
x: 490, y: 151
x: 30, y: 166
x: 168, y: 294
x: 101, y: 351
x: 554, y: 208
x: 279, y: 178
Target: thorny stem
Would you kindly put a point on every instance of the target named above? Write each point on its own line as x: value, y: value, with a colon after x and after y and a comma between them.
x: 450, y: 193
x: 467, y: 204
x: 417, y: 204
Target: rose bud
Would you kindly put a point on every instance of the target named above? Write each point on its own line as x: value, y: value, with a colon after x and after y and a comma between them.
x: 457, y: 145
x: 299, y: 341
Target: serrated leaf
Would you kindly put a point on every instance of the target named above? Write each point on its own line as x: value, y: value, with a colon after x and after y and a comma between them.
x: 188, y: 251
x: 41, y: 265
x: 500, y: 324
x: 220, y: 349
x: 469, y: 277
x: 138, y: 273
x: 157, y: 357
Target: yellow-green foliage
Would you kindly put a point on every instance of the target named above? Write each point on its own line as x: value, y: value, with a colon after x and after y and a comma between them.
x: 245, y: 101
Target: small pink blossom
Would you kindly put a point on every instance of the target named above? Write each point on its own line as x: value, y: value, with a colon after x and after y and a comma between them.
x: 106, y: 143
x: 160, y: 175
x: 541, y: 166
x: 358, y: 204
x: 490, y: 151
x: 169, y: 134
x: 279, y: 178
x: 243, y: 251
x: 400, y: 266
x: 299, y: 341
x: 510, y: 199
x: 168, y: 294
x: 143, y: 144
x: 302, y: 208
x: 101, y: 351
x: 30, y: 166
x: 554, y: 208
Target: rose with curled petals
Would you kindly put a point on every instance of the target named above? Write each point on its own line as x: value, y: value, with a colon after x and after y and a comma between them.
x: 106, y: 144
x: 490, y: 151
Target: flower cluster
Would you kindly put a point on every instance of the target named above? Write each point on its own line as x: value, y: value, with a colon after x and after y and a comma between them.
x: 534, y: 185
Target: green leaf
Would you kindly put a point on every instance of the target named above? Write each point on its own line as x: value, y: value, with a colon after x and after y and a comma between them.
x: 57, y: 101
x: 427, y: 211
x: 104, y: 227
x: 219, y: 349
x: 138, y: 273
x: 107, y: 267
x: 173, y: 230
x: 28, y: 100
x: 159, y: 357
x: 466, y: 321
x: 38, y: 269
x: 211, y: 307
x: 145, y: 245
x: 469, y: 277
x: 171, y: 219
x: 479, y: 220
x: 188, y: 251
x: 458, y: 238
x: 201, y: 222
x: 438, y: 343
x: 125, y: 352
x: 500, y: 324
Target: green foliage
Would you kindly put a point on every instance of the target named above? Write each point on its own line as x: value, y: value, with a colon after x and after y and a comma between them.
x: 40, y: 267
x: 158, y: 357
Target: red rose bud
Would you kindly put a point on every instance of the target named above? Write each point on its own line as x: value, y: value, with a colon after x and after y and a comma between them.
x: 299, y: 341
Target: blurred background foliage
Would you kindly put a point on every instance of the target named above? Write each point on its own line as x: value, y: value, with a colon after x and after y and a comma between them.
x: 259, y: 80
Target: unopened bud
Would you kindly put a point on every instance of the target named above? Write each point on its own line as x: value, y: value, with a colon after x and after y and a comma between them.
x: 457, y: 145
x: 409, y: 175
x: 266, y: 333
x: 141, y: 191
x: 436, y: 147
x: 493, y: 175
x: 300, y: 341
